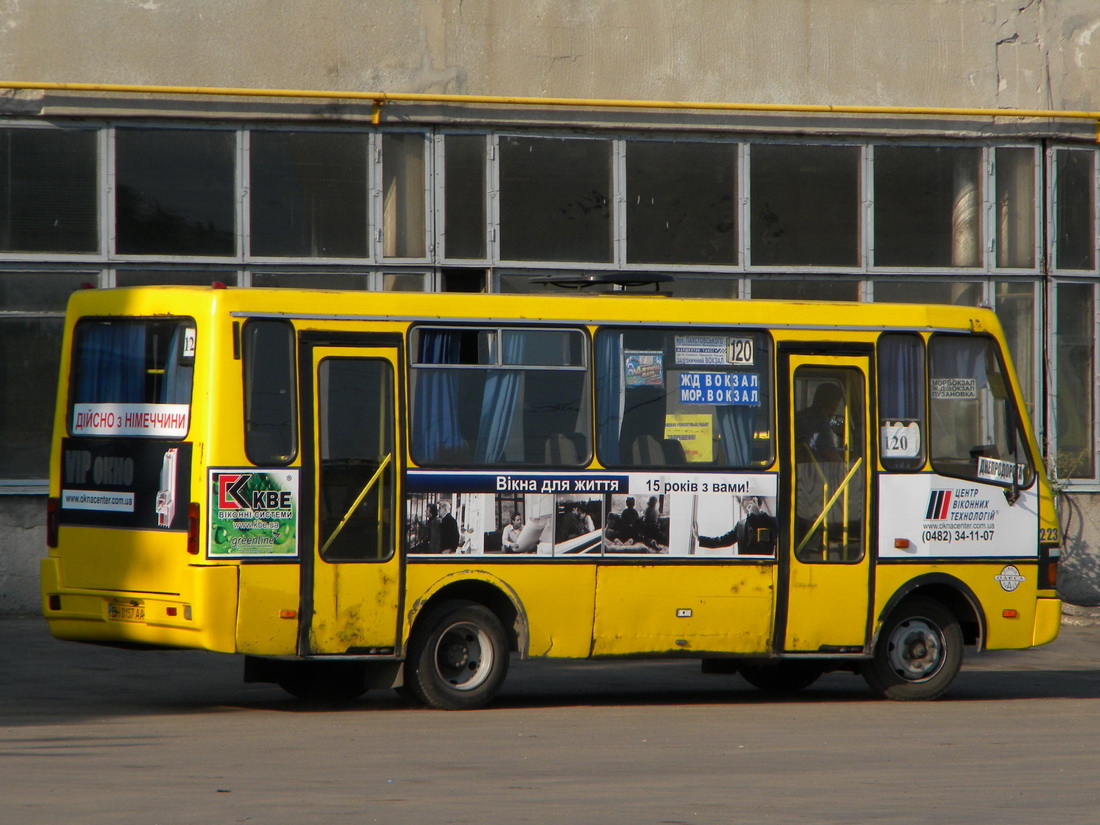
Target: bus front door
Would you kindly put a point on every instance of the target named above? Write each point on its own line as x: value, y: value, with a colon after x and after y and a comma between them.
x: 352, y: 580
x: 826, y: 559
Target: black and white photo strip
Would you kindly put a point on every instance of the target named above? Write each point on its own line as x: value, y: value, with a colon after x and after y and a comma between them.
x: 569, y: 524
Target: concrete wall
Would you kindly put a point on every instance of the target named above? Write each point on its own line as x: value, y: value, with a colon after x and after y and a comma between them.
x: 22, y: 544
x: 1079, y: 574
x: 968, y: 53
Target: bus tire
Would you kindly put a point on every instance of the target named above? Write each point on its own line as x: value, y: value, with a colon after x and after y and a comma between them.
x: 918, y: 654
x: 781, y: 678
x: 457, y: 657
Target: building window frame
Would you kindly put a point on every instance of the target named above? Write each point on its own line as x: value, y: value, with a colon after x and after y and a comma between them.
x: 1052, y: 209
x: 368, y: 184
x: 377, y: 207
x: 111, y: 178
x: 100, y: 195
x: 1057, y: 465
x: 89, y: 276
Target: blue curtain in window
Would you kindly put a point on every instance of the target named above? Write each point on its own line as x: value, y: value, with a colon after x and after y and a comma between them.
x: 436, y: 434
x: 735, y: 424
x: 609, y: 396
x: 901, y: 371
x: 111, y: 364
x: 498, y: 404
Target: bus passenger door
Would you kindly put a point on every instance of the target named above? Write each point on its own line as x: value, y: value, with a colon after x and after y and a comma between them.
x: 825, y: 562
x: 352, y: 580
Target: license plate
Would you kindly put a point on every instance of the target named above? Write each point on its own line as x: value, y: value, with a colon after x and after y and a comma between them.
x: 126, y: 612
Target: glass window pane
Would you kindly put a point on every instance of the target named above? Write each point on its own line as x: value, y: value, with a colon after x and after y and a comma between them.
x: 312, y: 280
x: 175, y: 192
x: 1016, y: 208
x: 270, y: 406
x: 480, y: 398
x: 403, y: 197
x: 906, y: 291
x: 48, y: 188
x: 42, y: 291
x: 132, y: 378
x: 805, y: 205
x: 705, y: 287
x: 680, y: 203
x: 902, y: 430
x: 973, y: 413
x: 528, y: 283
x: 1016, y: 310
x: 1075, y: 208
x: 132, y: 362
x: 1074, y: 346
x: 687, y: 398
x: 30, y: 353
x: 802, y: 289
x: 464, y: 196
x: 927, y: 206
x: 404, y: 282
x: 554, y: 199
x: 308, y: 194
x: 829, y: 470
x: 542, y: 348
x: 199, y: 277
x: 357, y: 467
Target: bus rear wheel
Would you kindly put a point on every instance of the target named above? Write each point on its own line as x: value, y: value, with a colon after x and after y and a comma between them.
x: 919, y: 652
x: 457, y: 657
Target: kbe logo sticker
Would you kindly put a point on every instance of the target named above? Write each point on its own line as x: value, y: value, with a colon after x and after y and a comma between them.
x: 1009, y: 578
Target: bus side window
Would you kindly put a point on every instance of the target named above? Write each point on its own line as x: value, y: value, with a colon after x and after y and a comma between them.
x: 975, y: 421
x: 683, y: 399
x: 270, y: 407
x: 902, y: 430
x: 500, y: 396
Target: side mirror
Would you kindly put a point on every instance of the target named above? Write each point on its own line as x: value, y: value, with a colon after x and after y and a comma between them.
x: 1012, y: 421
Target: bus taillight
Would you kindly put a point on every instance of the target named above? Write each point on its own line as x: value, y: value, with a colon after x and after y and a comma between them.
x: 53, y: 520
x: 193, y: 528
x: 1051, y: 577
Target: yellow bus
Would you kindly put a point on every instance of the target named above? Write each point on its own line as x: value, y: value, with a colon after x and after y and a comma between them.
x: 386, y: 490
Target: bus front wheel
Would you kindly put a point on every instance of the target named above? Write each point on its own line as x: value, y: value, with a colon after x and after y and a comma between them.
x: 457, y: 657
x: 918, y: 654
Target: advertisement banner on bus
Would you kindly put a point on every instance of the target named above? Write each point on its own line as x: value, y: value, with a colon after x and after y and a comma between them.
x: 551, y: 514
x: 126, y: 483
x: 253, y: 513
x: 933, y: 516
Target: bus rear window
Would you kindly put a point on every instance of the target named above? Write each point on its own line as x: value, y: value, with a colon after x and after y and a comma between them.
x: 132, y: 377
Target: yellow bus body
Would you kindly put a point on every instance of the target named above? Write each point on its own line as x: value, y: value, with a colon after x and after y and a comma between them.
x: 148, y: 586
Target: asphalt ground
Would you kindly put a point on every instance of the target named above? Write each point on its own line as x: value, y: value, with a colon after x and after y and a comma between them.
x: 99, y: 735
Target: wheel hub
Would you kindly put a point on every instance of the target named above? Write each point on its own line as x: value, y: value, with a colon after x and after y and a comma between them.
x: 464, y: 656
x: 916, y: 650
x: 455, y: 655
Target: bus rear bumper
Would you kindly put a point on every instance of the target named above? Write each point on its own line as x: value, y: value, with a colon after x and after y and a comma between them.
x: 1048, y: 620
x: 197, y: 619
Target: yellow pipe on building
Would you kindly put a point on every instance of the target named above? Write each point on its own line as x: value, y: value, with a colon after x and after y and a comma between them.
x: 381, y: 98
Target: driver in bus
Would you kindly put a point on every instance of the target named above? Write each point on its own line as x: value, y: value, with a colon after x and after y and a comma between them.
x: 813, y: 426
